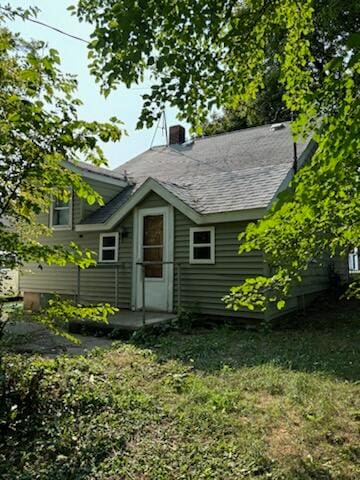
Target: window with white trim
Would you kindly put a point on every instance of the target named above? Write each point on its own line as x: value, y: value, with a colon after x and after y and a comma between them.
x: 60, y: 214
x: 109, y: 246
x: 202, y: 245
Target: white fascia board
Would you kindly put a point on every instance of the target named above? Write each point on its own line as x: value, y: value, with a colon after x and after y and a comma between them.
x: 235, y: 216
x: 95, y: 176
x: 152, y: 185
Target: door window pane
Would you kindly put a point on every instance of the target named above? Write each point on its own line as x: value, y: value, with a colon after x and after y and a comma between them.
x: 153, y: 230
x: 153, y: 254
x: 153, y: 245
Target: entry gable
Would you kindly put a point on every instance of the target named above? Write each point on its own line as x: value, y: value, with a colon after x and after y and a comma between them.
x: 130, y: 201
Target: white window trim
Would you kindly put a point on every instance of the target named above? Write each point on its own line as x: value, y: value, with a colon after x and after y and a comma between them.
x: 207, y: 261
x: 116, y: 247
x: 62, y: 227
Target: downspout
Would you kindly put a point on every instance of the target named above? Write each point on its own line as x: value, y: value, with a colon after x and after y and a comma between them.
x: 295, y: 163
x: 295, y: 156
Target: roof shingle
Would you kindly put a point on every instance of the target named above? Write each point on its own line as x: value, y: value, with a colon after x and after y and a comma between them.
x: 229, y: 172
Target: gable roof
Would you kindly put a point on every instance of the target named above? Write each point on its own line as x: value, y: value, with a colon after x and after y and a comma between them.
x: 89, y: 167
x: 233, y: 151
x: 102, y: 174
x: 230, y: 191
x: 121, y: 208
x: 234, y: 172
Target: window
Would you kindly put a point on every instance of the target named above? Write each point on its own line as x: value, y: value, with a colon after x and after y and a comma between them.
x: 108, y: 251
x: 60, y: 216
x: 202, y: 245
x: 153, y: 247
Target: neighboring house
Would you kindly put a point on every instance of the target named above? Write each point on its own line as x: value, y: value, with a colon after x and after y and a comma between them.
x: 9, y: 277
x: 181, y: 207
x: 9, y: 283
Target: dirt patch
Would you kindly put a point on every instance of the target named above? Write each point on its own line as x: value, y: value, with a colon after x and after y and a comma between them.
x: 285, y: 439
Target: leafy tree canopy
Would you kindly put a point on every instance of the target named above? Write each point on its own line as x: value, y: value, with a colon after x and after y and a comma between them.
x: 268, y: 107
x: 332, y: 22
x: 203, y: 54
x: 39, y: 131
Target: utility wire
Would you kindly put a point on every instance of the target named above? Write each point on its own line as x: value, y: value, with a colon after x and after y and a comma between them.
x: 58, y: 30
x: 62, y: 32
x: 70, y: 35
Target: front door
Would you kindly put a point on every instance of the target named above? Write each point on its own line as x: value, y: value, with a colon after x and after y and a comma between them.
x: 154, y: 268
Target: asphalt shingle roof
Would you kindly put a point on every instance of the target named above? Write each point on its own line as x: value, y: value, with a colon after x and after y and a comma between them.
x: 242, y: 149
x: 230, y: 191
x: 99, y: 170
x: 229, y: 172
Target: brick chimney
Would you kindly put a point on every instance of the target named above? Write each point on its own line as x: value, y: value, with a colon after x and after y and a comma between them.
x: 176, y: 135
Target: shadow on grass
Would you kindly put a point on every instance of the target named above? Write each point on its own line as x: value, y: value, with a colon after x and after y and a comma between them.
x: 326, y: 340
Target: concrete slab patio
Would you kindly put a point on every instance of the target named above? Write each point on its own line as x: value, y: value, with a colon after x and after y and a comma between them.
x: 128, y: 321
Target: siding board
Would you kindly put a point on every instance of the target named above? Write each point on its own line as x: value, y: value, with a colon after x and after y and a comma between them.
x: 96, y: 284
x: 203, y: 286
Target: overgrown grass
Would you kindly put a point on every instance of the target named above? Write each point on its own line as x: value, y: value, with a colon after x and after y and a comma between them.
x: 219, y: 404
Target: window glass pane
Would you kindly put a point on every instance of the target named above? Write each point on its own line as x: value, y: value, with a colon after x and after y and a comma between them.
x: 108, y: 241
x: 202, y: 237
x: 108, y: 255
x: 153, y: 254
x: 61, y: 203
x: 153, y: 271
x: 153, y: 230
x: 202, y: 253
x: 61, y: 217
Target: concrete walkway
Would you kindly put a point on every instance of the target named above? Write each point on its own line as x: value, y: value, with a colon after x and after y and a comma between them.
x: 27, y: 337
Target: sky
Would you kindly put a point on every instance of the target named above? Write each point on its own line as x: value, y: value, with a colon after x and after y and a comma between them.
x: 123, y: 103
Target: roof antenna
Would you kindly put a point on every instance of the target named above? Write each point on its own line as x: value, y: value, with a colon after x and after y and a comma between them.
x: 163, y: 127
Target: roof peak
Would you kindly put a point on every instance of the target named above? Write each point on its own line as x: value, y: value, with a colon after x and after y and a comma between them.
x: 216, y: 135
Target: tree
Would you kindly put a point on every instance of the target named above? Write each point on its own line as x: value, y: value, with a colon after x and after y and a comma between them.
x: 39, y: 131
x: 204, y: 54
x: 331, y: 23
x: 268, y: 107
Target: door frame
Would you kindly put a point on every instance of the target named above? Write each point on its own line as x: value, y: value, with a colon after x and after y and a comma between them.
x: 168, y: 269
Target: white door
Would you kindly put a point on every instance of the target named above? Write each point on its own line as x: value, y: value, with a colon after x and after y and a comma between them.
x: 154, y: 238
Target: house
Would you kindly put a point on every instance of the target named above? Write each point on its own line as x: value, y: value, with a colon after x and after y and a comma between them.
x: 9, y: 283
x: 179, y: 208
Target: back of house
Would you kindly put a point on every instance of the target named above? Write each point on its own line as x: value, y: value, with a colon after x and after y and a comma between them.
x: 167, y: 236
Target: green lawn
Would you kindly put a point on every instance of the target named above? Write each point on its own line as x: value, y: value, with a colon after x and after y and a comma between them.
x: 214, y: 404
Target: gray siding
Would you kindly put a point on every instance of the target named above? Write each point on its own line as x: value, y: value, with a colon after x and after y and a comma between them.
x: 152, y: 200
x: 203, y: 286
x: 106, y: 190
x: 200, y: 287
x: 96, y: 284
